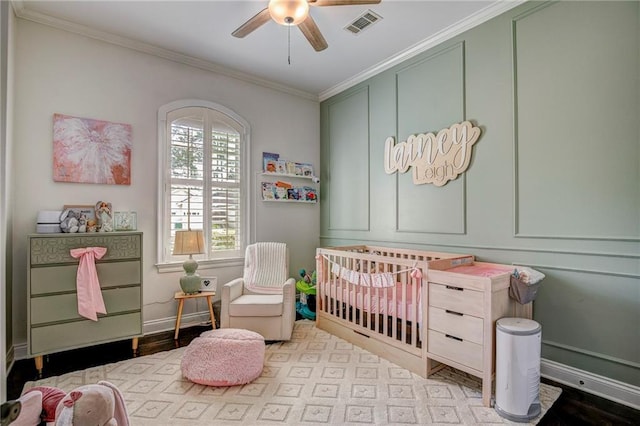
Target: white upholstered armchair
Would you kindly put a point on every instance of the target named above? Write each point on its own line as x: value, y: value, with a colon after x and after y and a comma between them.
x: 263, y: 300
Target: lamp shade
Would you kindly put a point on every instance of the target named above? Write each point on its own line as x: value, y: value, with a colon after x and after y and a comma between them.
x: 288, y: 12
x: 189, y: 242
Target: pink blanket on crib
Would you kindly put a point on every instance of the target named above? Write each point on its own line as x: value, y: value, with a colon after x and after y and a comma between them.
x: 380, y: 301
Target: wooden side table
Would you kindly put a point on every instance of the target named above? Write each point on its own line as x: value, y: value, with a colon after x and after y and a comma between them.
x: 180, y: 296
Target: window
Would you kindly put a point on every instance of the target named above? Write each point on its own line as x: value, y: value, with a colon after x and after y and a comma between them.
x: 203, y: 178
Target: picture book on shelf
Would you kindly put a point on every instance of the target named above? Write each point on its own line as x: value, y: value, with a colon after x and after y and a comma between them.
x: 270, y: 162
x: 268, y: 191
x: 281, y: 191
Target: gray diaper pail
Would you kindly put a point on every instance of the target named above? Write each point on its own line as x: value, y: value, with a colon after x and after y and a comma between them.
x: 518, y: 369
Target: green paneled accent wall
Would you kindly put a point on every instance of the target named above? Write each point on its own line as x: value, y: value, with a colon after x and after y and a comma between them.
x: 430, y: 96
x: 348, y: 152
x: 577, y: 122
x: 554, y: 180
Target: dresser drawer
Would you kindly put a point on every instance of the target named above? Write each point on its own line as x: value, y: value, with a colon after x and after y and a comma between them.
x: 457, y: 299
x: 47, y: 250
x: 60, y: 337
x: 64, y: 307
x: 461, y: 351
x: 56, y: 279
x: 463, y: 326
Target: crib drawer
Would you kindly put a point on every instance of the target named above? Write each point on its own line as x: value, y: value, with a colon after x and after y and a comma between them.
x: 464, y: 326
x: 456, y: 349
x: 457, y: 299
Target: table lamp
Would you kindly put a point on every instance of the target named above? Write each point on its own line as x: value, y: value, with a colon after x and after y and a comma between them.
x: 189, y: 242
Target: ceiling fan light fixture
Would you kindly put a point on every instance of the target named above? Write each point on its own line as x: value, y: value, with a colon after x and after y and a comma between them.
x: 288, y: 12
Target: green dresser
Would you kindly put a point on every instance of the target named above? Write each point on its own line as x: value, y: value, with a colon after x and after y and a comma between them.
x: 54, y: 324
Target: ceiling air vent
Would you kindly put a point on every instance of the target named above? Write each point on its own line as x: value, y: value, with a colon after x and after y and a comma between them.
x: 363, y: 22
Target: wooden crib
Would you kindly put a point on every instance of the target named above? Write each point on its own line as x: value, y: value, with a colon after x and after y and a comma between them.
x: 421, y: 310
x: 376, y: 298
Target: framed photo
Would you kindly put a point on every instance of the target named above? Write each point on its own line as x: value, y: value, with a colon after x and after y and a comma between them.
x: 208, y: 283
x: 87, y: 210
x: 125, y: 221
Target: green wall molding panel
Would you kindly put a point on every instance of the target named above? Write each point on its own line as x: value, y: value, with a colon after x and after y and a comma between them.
x: 553, y: 180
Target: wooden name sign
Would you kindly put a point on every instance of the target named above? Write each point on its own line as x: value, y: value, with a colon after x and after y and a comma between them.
x: 436, y: 159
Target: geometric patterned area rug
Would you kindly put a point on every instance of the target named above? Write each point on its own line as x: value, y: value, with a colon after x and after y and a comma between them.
x: 314, y: 379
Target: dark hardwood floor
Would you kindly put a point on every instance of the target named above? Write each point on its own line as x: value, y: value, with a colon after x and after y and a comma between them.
x: 574, y: 407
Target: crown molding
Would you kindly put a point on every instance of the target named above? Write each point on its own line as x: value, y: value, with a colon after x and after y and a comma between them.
x: 451, y: 31
x: 41, y: 18
x: 474, y: 20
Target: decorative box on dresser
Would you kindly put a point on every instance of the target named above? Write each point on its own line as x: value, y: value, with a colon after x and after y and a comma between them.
x: 464, y: 304
x: 53, y: 322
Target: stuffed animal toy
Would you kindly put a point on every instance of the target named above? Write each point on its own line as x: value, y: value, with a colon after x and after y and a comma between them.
x: 98, y: 404
x: 28, y: 413
x: 70, y: 220
x: 82, y: 223
x: 92, y: 225
x: 10, y: 412
x: 101, y: 405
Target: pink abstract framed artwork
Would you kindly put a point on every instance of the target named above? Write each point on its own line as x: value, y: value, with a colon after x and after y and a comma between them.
x: 91, y: 151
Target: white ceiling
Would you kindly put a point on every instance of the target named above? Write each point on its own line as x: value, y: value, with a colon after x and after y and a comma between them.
x: 199, y: 32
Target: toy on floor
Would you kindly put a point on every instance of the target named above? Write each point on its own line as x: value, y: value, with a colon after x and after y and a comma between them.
x: 98, y: 404
x: 10, y: 412
x: 306, y: 307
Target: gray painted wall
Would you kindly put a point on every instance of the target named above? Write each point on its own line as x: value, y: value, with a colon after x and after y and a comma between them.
x: 62, y: 72
x: 554, y: 179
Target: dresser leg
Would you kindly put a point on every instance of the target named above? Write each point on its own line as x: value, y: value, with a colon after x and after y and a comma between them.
x: 134, y: 346
x: 39, y: 365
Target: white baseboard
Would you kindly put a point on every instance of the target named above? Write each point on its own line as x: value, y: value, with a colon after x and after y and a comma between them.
x: 19, y: 352
x: 604, y: 387
x: 166, y: 324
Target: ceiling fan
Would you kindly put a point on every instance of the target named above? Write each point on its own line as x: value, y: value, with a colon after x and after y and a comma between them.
x: 295, y: 13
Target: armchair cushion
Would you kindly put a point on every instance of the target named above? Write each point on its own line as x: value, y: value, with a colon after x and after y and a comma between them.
x: 256, y: 305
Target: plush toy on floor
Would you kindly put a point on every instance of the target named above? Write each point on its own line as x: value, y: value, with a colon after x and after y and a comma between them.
x: 98, y: 404
x: 306, y: 307
x: 10, y: 412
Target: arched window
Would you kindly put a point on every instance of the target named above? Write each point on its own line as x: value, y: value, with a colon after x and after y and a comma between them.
x: 203, y: 178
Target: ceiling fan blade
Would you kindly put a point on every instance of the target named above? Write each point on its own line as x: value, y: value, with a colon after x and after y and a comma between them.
x: 341, y: 2
x: 313, y: 34
x: 252, y: 24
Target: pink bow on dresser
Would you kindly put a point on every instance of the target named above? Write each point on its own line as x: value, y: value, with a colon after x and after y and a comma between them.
x: 90, y: 302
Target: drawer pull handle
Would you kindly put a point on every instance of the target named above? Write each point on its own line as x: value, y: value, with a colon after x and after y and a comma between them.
x: 453, y: 337
x: 450, y: 287
x: 454, y: 312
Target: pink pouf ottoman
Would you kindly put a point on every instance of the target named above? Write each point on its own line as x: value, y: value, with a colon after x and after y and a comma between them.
x: 224, y: 357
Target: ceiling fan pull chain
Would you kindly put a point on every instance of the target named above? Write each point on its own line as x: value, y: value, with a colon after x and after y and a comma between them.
x: 289, y: 44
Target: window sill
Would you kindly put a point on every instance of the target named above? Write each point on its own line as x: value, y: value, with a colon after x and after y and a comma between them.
x: 203, y: 265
